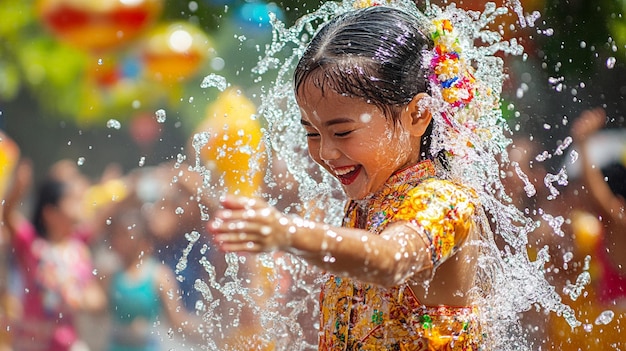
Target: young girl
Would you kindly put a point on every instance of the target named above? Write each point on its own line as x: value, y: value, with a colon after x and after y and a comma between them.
x: 403, y: 264
x: 57, y: 268
x: 142, y: 291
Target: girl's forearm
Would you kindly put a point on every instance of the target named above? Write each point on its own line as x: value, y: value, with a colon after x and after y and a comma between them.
x: 400, y: 252
x: 388, y: 259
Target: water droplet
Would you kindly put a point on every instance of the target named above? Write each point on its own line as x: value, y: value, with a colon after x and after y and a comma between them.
x: 160, y: 115
x: 80, y: 161
x: 215, y: 81
x: 605, y: 317
x: 610, y: 62
x: 568, y: 256
x: 573, y: 156
x: 113, y: 123
x: 543, y: 156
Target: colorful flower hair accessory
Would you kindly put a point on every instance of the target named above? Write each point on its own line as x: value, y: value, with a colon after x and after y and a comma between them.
x: 361, y: 4
x: 451, y: 74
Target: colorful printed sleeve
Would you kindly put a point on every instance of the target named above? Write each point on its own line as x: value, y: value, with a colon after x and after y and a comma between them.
x: 444, y: 211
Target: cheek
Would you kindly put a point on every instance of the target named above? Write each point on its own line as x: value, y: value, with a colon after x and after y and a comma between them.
x: 314, y: 151
x: 389, y: 151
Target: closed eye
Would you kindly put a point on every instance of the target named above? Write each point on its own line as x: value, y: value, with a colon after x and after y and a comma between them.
x: 343, y: 134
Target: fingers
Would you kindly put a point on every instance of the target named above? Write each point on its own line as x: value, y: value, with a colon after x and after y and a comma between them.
x: 239, y: 202
x: 246, y: 224
x: 243, y: 236
x: 245, y: 209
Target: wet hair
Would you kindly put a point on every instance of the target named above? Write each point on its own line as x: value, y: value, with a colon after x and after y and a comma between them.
x: 615, y: 174
x: 49, y: 193
x: 374, y: 54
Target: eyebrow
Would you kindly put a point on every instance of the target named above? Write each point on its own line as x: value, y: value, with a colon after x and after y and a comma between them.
x: 328, y: 123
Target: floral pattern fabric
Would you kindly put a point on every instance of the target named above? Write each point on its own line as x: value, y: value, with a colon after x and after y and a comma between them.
x: 360, y: 316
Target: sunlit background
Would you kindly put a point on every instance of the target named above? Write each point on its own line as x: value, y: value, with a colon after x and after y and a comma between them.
x: 121, y: 81
x: 68, y: 67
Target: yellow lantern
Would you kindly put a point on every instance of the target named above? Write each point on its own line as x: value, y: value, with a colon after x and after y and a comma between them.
x: 235, y: 142
x: 175, y: 51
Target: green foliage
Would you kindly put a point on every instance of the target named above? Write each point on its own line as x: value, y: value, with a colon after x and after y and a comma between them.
x: 583, y: 32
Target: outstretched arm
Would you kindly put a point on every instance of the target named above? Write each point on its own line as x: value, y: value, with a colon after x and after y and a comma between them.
x: 609, y: 205
x: 399, y: 253
x: 22, y: 181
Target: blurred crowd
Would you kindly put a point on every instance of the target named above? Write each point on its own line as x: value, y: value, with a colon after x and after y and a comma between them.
x: 113, y: 263
x: 106, y: 264
x: 91, y: 265
x: 578, y: 207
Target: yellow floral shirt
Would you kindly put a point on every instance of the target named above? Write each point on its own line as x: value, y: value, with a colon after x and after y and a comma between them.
x: 359, y: 316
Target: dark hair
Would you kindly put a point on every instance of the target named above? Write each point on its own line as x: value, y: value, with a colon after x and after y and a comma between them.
x: 49, y: 193
x: 616, y: 178
x: 374, y: 54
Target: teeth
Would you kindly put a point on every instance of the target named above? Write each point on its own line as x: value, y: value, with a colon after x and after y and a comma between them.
x: 344, y: 171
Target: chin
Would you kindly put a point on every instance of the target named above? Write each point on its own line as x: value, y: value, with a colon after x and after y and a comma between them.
x: 355, y: 195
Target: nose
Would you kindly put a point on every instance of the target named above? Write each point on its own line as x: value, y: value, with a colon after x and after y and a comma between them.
x: 328, y: 150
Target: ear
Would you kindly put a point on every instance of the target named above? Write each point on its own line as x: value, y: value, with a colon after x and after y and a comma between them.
x: 416, y: 115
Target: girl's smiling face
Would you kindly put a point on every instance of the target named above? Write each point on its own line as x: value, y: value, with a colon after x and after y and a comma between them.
x: 355, y: 141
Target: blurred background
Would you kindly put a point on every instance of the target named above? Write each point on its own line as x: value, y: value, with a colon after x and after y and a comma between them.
x: 101, y: 82
x: 68, y: 67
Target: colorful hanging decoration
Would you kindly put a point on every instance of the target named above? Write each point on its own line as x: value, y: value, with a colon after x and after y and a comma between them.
x: 98, y: 25
x: 175, y: 51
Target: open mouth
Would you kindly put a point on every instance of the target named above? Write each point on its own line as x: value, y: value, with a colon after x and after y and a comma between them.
x: 347, y: 175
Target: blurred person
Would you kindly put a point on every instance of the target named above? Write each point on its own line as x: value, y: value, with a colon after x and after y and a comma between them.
x: 606, y: 191
x: 525, y: 183
x: 174, y: 212
x: 141, y: 290
x: 56, y: 266
x: 96, y: 195
x: 598, y: 224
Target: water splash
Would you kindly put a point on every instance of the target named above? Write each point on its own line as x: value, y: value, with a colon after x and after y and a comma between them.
x: 160, y: 115
x: 214, y: 80
x: 114, y: 124
x: 288, y: 300
x: 605, y: 317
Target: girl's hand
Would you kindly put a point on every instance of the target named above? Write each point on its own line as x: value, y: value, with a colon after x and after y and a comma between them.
x: 251, y: 225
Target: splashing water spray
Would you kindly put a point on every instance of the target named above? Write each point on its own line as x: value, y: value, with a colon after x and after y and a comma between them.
x: 279, y: 292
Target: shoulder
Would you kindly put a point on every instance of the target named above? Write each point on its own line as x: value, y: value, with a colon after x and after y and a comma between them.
x: 437, y: 199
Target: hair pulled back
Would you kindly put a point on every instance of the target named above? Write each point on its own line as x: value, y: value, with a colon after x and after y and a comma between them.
x: 374, y: 54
